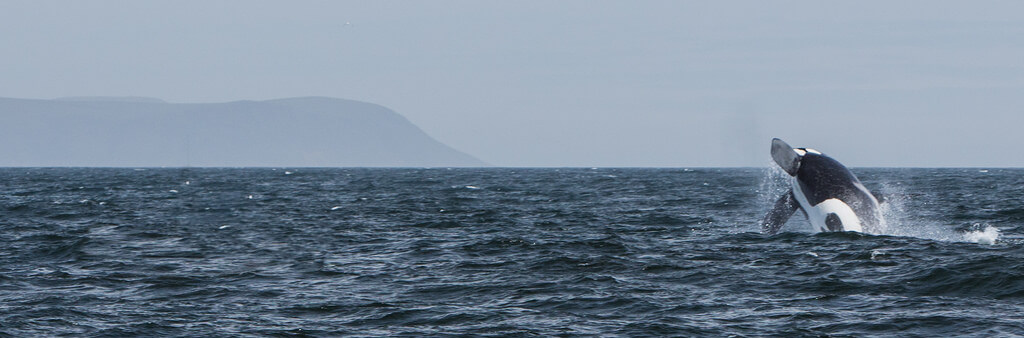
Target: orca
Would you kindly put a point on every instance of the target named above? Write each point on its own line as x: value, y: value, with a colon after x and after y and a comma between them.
x: 830, y: 196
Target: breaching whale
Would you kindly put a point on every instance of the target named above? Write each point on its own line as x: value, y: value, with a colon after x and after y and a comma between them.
x: 831, y: 197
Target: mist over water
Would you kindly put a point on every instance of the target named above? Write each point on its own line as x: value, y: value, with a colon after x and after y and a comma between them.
x: 502, y: 251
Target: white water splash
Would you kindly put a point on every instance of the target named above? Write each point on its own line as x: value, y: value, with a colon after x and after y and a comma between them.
x: 774, y: 183
x: 896, y: 221
x: 985, y: 236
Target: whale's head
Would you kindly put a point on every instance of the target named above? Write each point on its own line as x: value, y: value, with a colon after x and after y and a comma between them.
x: 787, y: 157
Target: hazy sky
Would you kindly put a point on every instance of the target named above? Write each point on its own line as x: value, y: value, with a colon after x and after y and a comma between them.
x: 571, y: 83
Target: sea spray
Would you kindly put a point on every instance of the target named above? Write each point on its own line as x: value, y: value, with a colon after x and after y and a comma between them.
x: 988, y: 235
x: 900, y: 222
x: 774, y: 182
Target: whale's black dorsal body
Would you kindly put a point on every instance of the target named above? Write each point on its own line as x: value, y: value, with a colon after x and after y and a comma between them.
x: 831, y: 196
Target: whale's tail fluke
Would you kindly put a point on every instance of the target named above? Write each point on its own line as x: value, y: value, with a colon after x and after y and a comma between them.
x: 787, y: 158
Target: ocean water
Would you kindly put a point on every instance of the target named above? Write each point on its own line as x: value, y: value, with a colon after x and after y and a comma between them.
x: 503, y: 252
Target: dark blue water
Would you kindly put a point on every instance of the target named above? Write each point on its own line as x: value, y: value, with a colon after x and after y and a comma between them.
x: 520, y: 252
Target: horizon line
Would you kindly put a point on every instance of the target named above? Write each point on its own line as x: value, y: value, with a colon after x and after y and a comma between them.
x: 479, y: 167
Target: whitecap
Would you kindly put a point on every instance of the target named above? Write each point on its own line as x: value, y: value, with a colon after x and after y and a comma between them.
x: 989, y: 235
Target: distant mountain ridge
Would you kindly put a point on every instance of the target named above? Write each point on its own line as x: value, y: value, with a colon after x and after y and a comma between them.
x: 137, y: 99
x: 146, y: 132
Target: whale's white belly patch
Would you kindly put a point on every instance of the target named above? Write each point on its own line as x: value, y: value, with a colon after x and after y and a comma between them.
x: 818, y: 214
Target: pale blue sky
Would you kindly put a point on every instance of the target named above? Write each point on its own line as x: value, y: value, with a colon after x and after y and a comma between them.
x: 571, y: 83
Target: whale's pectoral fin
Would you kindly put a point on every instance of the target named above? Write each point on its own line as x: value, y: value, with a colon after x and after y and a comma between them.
x: 785, y: 156
x: 777, y: 217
